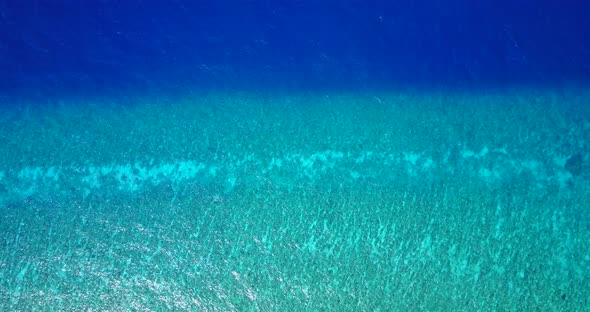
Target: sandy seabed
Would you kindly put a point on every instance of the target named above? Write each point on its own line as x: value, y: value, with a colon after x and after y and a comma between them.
x: 240, y: 201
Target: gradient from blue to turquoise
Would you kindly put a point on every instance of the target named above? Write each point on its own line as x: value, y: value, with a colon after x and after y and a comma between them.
x: 294, y: 156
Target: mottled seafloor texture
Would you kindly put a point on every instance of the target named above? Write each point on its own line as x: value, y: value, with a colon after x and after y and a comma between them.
x: 398, y: 201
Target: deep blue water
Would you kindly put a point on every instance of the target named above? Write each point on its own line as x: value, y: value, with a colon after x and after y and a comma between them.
x: 85, y: 47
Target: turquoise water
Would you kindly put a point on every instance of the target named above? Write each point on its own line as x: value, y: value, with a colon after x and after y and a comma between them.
x: 244, y: 201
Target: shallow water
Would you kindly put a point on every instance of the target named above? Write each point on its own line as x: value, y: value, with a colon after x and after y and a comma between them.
x: 319, y: 201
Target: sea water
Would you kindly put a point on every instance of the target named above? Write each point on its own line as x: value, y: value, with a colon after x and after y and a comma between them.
x: 293, y: 157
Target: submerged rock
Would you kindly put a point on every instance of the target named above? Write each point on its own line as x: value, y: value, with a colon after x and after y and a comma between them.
x: 575, y: 164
